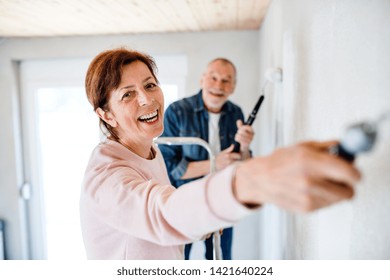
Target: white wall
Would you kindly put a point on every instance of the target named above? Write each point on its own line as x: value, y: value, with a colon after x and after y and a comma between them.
x: 240, y: 47
x: 336, y: 60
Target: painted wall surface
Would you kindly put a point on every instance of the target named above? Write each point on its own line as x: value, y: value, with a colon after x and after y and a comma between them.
x: 336, y: 61
x: 200, y: 48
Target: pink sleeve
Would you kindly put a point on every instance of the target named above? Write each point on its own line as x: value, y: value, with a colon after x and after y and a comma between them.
x: 120, y: 197
x: 205, y: 205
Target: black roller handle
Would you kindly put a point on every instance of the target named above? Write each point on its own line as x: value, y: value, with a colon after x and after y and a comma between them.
x: 249, y: 121
x: 340, y: 151
x: 358, y: 138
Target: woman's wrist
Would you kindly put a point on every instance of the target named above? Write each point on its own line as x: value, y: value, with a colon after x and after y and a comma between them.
x: 242, y: 187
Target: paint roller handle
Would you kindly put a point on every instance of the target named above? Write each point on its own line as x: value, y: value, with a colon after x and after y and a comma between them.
x: 340, y: 151
x: 357, y: 139
x: 236, y: 148
x: 249, y: 121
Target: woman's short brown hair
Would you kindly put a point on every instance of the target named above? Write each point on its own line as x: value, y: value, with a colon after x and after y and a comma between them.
x: 104, y: 76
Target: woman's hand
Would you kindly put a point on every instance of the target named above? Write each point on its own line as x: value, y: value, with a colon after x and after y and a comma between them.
x: 301, y: 178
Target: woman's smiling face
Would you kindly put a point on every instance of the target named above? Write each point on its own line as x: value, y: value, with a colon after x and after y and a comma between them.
x: 136, y: 106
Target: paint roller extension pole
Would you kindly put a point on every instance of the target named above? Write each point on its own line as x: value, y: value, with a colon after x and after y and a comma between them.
x: 273, y: 75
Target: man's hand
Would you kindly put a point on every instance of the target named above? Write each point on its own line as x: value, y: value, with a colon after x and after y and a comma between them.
x: 207, y: 236
x: 244, y: 136
x: 226, y: 157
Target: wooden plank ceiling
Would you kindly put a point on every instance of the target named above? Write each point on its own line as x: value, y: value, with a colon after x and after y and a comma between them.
x: 41, y: 18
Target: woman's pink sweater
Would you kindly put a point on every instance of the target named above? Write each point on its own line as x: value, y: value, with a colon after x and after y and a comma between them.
x: 129, y: 210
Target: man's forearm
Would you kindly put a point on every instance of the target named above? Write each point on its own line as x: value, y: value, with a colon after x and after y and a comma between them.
x: 245, y: 154
x: 197, y: 169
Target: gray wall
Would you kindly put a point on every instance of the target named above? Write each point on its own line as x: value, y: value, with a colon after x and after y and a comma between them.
x: 336, y: 61
x: 240, y: 47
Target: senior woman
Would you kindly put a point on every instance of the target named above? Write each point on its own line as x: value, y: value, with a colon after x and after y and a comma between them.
x: 128, y: 208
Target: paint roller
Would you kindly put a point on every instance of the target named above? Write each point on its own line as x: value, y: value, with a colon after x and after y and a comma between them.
x: 273, y: 75
x: 358, y: 138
